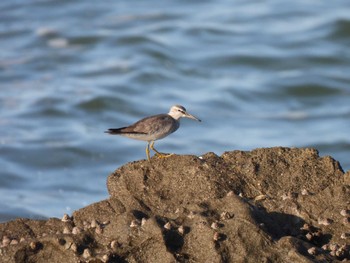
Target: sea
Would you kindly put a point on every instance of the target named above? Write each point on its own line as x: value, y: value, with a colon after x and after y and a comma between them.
x: 258, y: 73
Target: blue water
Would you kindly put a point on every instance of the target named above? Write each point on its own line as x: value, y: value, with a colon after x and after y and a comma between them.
x: 258, y: 73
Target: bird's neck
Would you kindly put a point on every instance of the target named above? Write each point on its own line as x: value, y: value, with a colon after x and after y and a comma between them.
x: 174, y: 116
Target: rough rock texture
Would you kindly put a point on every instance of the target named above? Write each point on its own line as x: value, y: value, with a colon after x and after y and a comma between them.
x: 267, y: 205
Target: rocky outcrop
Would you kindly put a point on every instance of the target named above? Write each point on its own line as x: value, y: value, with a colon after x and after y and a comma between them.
x: 267, y: 205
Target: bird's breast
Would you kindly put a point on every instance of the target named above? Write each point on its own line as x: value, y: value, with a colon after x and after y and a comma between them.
x: 164, y: 127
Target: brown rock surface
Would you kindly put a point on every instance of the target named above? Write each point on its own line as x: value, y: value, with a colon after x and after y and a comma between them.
x: 267, y: 205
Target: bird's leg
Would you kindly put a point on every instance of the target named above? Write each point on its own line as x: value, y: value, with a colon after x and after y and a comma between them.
x: 159, y: 154
x: 152, y: 147
x: 147, y: 152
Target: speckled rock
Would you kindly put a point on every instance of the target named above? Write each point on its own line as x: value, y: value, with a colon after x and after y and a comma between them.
x: 241, y: 206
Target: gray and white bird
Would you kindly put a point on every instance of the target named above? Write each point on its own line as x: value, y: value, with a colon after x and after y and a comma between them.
x: 154, y: 128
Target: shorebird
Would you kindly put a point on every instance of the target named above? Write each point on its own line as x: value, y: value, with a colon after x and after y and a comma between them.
x: 154, y: 128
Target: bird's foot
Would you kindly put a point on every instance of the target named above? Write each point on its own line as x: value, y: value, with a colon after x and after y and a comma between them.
x: 163, y: 155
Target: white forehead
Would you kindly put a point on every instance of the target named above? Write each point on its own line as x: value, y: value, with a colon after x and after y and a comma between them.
x: 177, y: 107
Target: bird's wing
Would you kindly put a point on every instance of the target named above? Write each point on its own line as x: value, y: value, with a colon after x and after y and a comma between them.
x: 150, y: 124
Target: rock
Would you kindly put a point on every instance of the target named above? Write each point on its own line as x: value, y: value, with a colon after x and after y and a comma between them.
x: 208, y: 209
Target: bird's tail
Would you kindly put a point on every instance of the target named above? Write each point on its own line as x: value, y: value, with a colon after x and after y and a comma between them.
x: 115, y: 131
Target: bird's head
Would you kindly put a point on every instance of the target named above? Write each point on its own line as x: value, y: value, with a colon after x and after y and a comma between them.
x: 179, y: 111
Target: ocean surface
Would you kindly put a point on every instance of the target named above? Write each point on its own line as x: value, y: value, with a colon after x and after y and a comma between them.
x: 258, y: 73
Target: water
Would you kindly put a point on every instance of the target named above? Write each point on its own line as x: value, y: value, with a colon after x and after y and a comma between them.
x: 258, y: 73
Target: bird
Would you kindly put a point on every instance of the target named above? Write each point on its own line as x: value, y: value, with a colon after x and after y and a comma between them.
x: 154, y: 128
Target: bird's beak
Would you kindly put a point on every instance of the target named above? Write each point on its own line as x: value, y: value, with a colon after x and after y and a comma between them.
x: 190, y: 116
